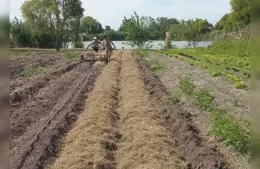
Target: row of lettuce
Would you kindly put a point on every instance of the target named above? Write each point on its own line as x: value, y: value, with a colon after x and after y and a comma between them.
x: 229, y: 59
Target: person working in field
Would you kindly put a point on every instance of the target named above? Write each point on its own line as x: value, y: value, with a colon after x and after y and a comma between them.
x: 95, y: 43
x: 108, y: 47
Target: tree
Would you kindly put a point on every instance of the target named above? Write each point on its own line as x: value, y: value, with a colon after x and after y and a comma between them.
x: 136, y: 31
x: 53, y: 17
x: 107, y: 28
x: 241, y: 11
x: 191, y: 30
x: 90, y: 26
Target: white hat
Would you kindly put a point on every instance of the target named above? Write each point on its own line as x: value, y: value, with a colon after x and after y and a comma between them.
x: 95, y: 38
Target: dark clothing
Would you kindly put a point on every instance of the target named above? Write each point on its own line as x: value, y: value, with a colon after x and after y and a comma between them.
x: 95, y: 48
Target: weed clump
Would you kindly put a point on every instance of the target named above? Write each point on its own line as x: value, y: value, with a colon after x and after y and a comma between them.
x: 187, y: 85
x: 228, y: 129
x: 156, y: 66
x: 204, y: 99
x: 30, y: 71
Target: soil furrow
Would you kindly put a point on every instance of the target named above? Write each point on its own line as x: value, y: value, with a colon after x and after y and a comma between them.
x: 27, y: 88
x: 145, y: 142
x: 192, y: 148
x: 36, y: 110
x: 17, y: 67
x: 92, y: 142
x: 54, y: 128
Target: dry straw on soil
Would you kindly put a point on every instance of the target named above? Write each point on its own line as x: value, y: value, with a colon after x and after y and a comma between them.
x: 91, y: 142
x: 145, y: 143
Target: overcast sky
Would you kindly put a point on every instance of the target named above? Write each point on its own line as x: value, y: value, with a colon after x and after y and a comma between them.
x: 111, y: 12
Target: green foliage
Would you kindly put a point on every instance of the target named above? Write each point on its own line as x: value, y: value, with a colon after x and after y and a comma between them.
x: 142, y: 52
x: 239, y: 16
x: 240, y: 84
x: 237, y: 48
x: 156, y: 66
x: 187, y: 85
x: 136, y: 31
x: 59, y: 19
x: 215, y: 74
x: 191, y: 30
x: 228, y: 129
x: 23, y: 36
x: 79, y: 44
x: 204, y: 99
x: 89, y: 25
x: 30, y: 71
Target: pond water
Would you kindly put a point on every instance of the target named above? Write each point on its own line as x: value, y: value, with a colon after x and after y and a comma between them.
x: 155, y: 44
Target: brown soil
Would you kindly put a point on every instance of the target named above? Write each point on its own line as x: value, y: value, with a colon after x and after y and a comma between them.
x: 48, y: 115
x: 191, y: 147
x: 22, y: 90
x: 18, y: 64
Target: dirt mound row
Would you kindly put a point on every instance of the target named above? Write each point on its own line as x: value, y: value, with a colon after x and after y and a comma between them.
x: 24, y: 89
x: 26, y: 120
x: 38, y: 107
x: 42, y: 136
x: 92, y: 141
x: 191, y: 147
x: 145, y: 142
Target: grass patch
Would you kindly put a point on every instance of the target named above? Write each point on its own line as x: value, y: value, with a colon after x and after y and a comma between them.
x: 228, y: 129
x: 223, y: 125
x: 204, y: 99
x: 69, y: 56
x: 156, y: 66
x: 142, y: 53
x: 187, y: 85
x: 30, y: 71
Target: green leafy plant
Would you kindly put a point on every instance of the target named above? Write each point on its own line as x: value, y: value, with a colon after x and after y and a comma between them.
x: 215, y: 74
x: 187, y: 85
x: 156, y: 66
x: 240, y: 84
x: 226, y: 127
x: 204, y: 99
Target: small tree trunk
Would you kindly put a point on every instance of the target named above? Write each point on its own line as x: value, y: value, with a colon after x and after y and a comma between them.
x: 168, y: 41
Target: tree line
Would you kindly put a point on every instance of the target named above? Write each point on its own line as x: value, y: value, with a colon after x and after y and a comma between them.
x: 53, y: 23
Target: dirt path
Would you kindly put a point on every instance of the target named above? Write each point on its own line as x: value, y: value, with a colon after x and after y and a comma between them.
x: 44, y: 118
x: 221, y: 89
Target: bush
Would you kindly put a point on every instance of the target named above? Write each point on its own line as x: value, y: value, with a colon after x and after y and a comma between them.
x: 79, y: 44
